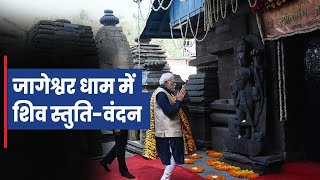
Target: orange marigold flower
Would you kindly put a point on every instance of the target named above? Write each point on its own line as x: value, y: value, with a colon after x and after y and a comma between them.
x: 279, y: 2
x: 252, y: 176
x: 188, y: 161
x: 209, y: 151
x: 195, y: 156
x: 237, y: 173
x: 243, y: 173
x: 196, y: 169
x: 221, y: 166
x: 212, y: 153
x: 211, y: 161
x: 273, y: 5
x: 215, y: 177
x: 217, y: 154
x: 233, y: 168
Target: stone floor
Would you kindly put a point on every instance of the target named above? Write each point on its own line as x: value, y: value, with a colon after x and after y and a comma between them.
x: 198, y: 162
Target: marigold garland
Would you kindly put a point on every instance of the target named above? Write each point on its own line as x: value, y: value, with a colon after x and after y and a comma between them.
x: 221, y: 166
x: 215, y: 177
x: 243, y: 173
x: 234, y: 171
x: 188, y: 161
x: 209, y: 151
x: 196, y: 169
x: 149, y: 146
x: 194, y: 156
x: 211, y: 161
x: 212, y: 153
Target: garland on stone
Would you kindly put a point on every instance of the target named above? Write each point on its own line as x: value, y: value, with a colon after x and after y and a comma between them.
x: 261, y: 6
x: 281, y: 82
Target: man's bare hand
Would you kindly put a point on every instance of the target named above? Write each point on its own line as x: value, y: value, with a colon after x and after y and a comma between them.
x: 181, y: 94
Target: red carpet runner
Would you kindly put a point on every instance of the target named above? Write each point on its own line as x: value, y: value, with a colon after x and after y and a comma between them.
x: 143, y: 170
x: 302, y: 170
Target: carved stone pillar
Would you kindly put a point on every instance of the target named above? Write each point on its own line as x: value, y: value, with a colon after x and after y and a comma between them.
x: 202, y: 89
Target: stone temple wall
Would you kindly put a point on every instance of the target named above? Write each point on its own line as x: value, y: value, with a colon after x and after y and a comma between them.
x: 12, y: 39
x: 60, y: 43
x: 113, y: 46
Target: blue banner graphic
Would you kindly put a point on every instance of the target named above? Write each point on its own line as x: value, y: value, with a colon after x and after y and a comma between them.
x: 56, y: 99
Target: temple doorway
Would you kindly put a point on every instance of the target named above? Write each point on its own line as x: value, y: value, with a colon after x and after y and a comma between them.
x: 302, y: 63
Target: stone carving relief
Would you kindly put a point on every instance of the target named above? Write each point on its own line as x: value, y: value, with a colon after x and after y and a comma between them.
x: 247, y: 130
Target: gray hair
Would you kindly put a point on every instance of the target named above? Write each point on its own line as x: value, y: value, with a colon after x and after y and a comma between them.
x: 165, y: 77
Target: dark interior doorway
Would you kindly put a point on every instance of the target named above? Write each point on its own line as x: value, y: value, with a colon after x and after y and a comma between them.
x: 302, y: 57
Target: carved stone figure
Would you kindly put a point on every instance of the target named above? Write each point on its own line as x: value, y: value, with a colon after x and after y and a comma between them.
x: 243, y: 86
x: 248, y: 128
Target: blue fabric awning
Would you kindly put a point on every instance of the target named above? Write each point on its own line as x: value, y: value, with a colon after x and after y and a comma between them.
x: 158, y: 23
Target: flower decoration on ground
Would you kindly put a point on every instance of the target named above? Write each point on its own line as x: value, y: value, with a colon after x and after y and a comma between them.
x: 222, y: 166
x: 212, y: 153
x: 234, y: 171
x: 211, y: 161
x: 188, y: 161
x: 262, y: 6
x: 215, y: 177
x: 209, y: 151
x: 243, y: 173
x: 196, y: 169
x: 195, y: 156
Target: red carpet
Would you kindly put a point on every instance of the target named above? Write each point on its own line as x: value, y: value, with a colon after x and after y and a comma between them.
x: 142, y: 169
x: 302, y: 170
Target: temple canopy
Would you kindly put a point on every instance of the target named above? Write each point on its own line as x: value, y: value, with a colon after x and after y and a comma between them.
x: 158, y: 22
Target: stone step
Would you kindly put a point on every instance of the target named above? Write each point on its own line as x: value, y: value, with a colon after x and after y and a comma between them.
x: 221, y: 118
x: 200, y: 99
x: 147, y: 51
x: 135, y: 147
x: 199, y: 81
x: 218, y: 135
x: 150, y: 55
x: 204, y: 87
x: 204, y: 60
x: 147, y: 48
x: 202, y: 93
x: 223, y: 104
x: 203, y: 76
